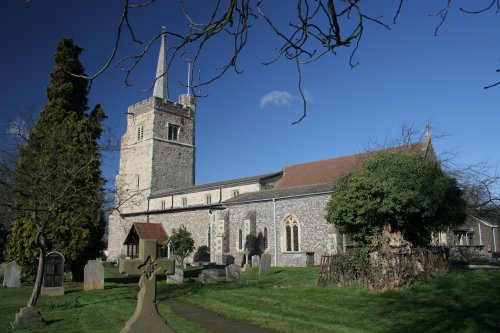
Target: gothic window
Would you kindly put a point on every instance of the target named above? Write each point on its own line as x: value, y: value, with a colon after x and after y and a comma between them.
x: 240, y: 239
x: 264, y: 239
x: 236, y: 192
x: 208, y: 199
x: 163, y: 204
x: 184, y: 202
x: 173, y: 132
x: 291, y: 234
x: 140, y: 132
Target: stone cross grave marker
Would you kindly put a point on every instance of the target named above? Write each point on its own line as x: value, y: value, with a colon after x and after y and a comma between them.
x: 12, y: 275
x: 53, y: 278
x: 146, y: 317
x: 265, y: 264
x: 93, y: 275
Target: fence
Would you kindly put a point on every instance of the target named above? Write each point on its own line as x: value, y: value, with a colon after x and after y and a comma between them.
x: 381, y: 270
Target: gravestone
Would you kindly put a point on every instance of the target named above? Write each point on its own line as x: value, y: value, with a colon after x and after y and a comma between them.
x: 93, y: 275
x: 209, y: 276
x: 255, y: 261
x: 146, y: 317
x: 177, y: 277
x: 233, y: 273
x: 53, y: 278
x: 12, y: 275
x: 265, y: 264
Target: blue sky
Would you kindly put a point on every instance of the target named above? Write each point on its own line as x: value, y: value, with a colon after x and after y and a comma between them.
x: 406, y: 75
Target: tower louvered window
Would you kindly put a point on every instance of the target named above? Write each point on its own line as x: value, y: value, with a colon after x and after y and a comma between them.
x: 173, y: 132
x: 140, y: 132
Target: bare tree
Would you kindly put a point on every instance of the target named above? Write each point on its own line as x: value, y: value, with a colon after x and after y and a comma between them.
x: 480, y: 182
x: 318, y: 28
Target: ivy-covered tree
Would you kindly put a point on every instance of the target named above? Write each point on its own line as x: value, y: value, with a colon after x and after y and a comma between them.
x: 181, y: 243
x: 408, y: 193
x: 58, y: 185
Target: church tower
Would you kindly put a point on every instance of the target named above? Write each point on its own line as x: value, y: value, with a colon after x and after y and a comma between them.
x: 157, y: 151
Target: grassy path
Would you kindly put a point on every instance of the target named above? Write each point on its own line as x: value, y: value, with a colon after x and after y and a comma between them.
x: 212, y: 321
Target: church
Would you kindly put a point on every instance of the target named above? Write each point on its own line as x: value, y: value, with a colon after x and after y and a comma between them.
x: 280, y: 213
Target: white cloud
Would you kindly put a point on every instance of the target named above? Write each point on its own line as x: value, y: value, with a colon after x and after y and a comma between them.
x: 283, y: 98
x: 278, y: 98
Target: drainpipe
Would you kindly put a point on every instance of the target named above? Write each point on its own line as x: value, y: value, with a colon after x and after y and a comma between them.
x: 275, y: 235
x: 480, y: 236
x: 494, y: 239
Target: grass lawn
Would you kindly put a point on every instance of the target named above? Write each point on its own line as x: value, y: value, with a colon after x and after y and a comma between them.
x: 286, y: 300
x: 78, y: 311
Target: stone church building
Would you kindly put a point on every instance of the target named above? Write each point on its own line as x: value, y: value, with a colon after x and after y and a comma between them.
x: 282, y: 213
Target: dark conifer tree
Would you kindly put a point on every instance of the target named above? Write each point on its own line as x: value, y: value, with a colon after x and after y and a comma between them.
x: 59, y: 188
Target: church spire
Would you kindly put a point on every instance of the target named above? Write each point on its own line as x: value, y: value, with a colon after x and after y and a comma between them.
x: 161, y: 84
x: 427, y: 131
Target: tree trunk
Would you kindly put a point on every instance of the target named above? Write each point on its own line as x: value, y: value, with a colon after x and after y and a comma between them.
x: 35, y: 294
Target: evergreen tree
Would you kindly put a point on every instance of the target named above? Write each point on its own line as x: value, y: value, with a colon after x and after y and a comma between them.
x: 406, y: 192
x: 182, y: 243
x: 58, y: 185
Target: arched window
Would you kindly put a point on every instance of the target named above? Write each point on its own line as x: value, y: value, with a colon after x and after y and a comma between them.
x: 264, y: 239
x: 240, y: 239
x: 291, y: 234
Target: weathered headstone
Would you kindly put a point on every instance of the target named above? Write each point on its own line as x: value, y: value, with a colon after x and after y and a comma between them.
x: 209, y: 276
x: 12, y: 275
x: 53, y: 279
x: 255, y: 261
x: 233, y: 273
x: 177, y: 277
x: 146, y: 317
x: 265, y: 264
x: 93, y: 275
x: 26, y: 317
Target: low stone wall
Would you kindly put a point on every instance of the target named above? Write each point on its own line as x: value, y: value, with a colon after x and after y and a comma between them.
x: 297, y: 259
x: 467, y: 253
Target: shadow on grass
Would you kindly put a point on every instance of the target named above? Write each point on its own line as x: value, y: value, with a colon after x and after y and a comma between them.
x: 53, y: 321
x: 122, y: 280
x: 442, y: 306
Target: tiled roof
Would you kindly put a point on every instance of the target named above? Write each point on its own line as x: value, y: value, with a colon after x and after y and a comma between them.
x: 151, y: 231
x: 327, y: 171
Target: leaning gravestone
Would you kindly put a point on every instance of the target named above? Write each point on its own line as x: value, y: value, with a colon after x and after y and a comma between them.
x: 177, y: 278
x: 265, y: 264
x: 12, y: 275
x: 93, y: 275
x: 255, y: 261
x: 53, y: 279
x: 233, y: 273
